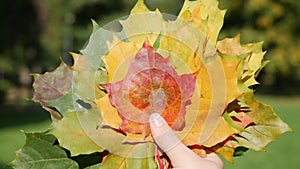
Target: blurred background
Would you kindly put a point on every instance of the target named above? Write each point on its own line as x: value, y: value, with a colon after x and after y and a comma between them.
x: 36, y: 34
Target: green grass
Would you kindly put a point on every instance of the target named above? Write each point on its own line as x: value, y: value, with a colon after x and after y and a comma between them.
x: 280, y: 154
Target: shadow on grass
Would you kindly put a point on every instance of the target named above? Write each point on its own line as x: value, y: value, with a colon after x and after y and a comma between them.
x: 15, y: 115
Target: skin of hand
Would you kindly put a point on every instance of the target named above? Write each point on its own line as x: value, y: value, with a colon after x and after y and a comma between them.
x: 180, y: 156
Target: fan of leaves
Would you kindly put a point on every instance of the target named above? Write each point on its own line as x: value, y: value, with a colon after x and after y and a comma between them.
x: 201, y: 86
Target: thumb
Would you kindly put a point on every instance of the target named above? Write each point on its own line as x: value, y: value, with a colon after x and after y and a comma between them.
x: 162, y: 134
x: 168, y: 142
x: 180, y: 155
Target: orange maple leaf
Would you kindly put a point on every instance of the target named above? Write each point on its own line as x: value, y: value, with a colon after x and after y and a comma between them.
x: 151, y: 85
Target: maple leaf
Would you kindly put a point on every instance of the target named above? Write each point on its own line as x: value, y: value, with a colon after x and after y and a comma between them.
x: 151, y: 85
x: 40, y: 151
x: 201, y: 86
x: 52, y: 88
x: 268, y: 126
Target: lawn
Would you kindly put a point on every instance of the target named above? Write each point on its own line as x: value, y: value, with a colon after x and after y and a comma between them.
x: 282, y: 153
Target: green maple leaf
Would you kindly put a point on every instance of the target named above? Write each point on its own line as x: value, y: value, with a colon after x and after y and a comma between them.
x: 39, y: 151
x: 268, y: 126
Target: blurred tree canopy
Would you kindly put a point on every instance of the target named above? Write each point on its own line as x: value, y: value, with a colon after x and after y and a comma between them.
x: 35, y: 34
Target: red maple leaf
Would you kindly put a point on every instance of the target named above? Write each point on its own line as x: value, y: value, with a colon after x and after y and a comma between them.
x: 151, y: 85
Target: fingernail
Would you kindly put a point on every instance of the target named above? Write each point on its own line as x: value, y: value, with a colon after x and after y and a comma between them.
x: 156, y: 120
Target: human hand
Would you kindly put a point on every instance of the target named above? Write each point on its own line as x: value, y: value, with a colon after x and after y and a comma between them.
x: 181, y: 157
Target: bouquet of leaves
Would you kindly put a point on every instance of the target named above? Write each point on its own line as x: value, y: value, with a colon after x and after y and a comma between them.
x: 157, y: 63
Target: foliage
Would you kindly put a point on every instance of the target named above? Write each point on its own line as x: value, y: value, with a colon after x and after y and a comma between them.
x: 40, y: 152
x: 26, y: 47
x: 275, y: 23
x: 205, y: 94
x: 151, y: 78
x: 47, y: 31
